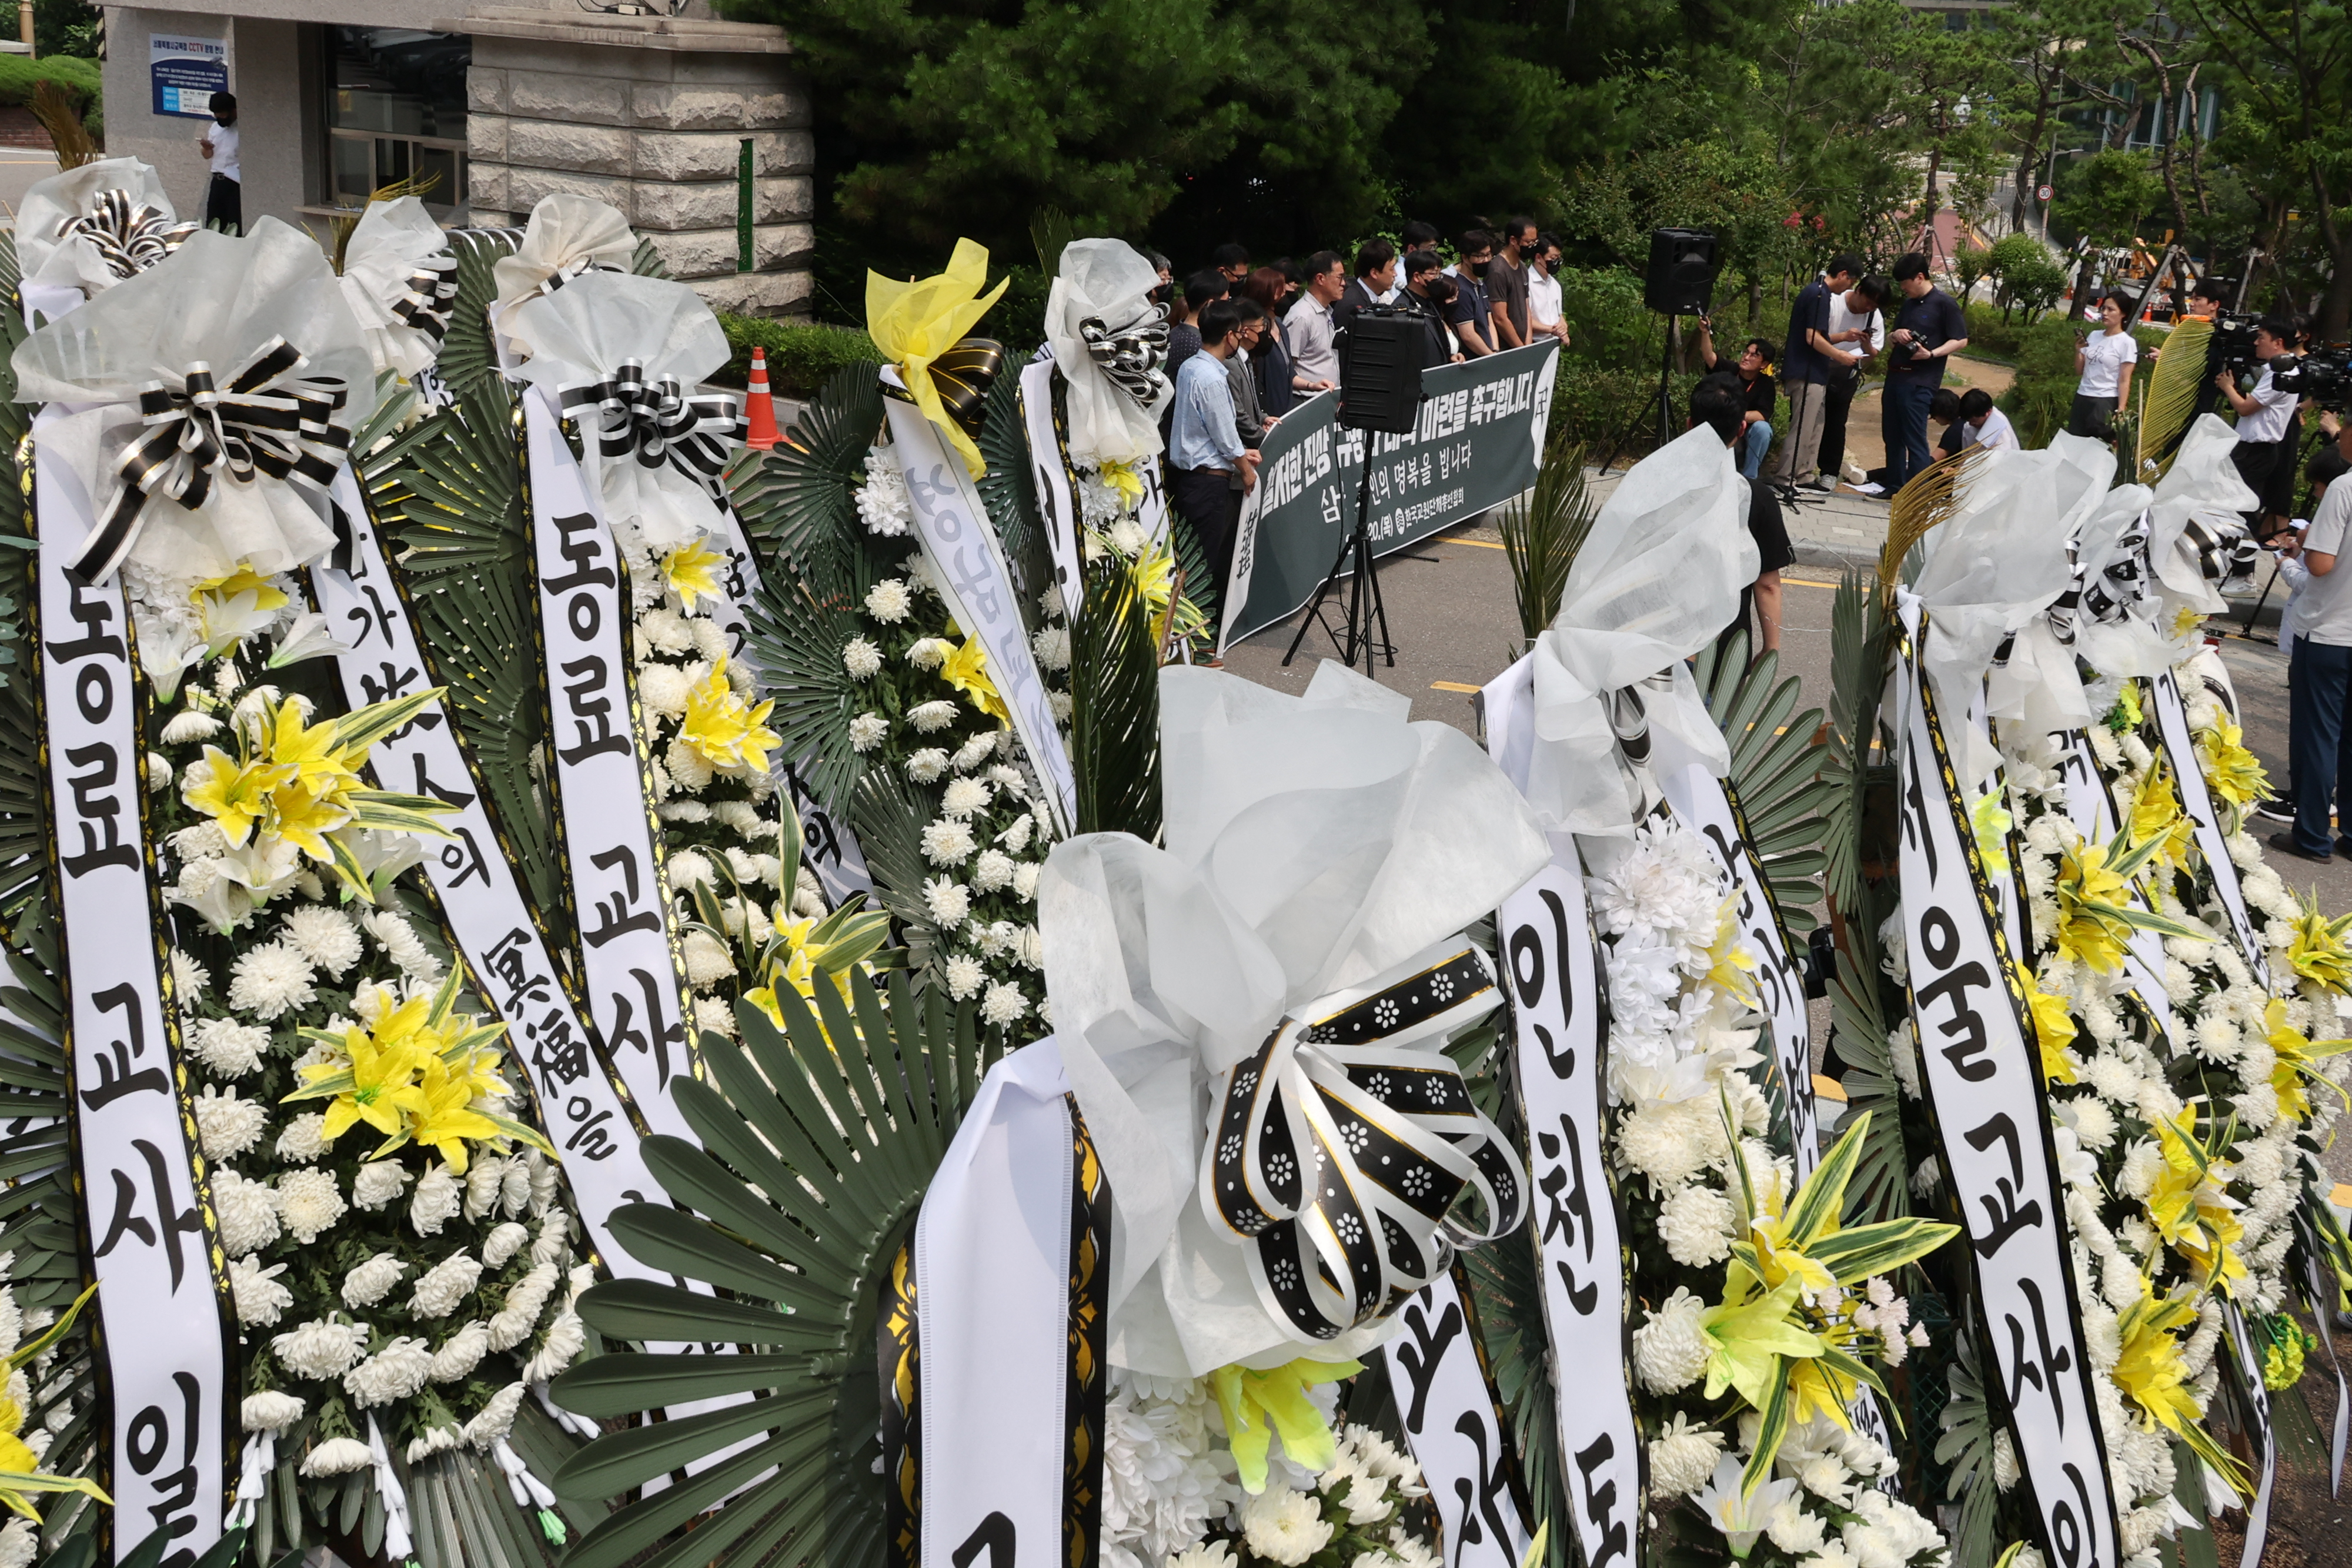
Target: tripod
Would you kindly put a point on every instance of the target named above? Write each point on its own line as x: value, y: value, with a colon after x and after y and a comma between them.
x: 1660, y: 403
x: 1364, y: 590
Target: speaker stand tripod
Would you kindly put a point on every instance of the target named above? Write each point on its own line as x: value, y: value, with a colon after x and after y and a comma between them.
x: 1362, y: 592
x: 1660, y: 403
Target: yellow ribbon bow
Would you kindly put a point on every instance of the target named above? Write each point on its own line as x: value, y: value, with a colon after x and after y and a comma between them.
x: 1256, y: 1405
x: 914, y: 323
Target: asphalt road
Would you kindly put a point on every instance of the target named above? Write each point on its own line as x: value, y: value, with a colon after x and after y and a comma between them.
x: 1456, y: 626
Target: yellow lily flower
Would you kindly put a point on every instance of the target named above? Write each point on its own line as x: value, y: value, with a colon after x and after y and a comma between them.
x: 2054, y: 1025
x: 2084, y: 933
x: 304, y: 817
x: 694, y: 573
x: 914, y: 323
x: 309, y: 752
x: 724, y: 729
x: 2157, y: 814
x: 2150, y: 1369
x: 438, y: 1102
x: 1746, y: 1339
x: 966, y: 670
x: 244, y: 580
x: 1123, y: 478
x: 1990, y: 822
x: 1256, y: 1405
x: 2297, y: 1056
x: 2322, y: 950
x: 1730, y: 960
x: 234, y: 795
x: 2230, y: 769
x: 379, y: 1073
x: 21, y: 1477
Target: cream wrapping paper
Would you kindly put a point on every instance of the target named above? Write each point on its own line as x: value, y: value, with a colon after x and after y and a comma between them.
x: 1106, y: 282
x: 2202, y: 486
x: 51, y: 258
x: 566, y: 238
x: 391, y: 244
x: 1316, y: 846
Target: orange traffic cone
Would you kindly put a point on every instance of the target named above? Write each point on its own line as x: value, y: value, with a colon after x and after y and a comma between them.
x: 759, y: 406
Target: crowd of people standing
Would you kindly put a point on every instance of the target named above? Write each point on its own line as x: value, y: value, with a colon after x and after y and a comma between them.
x: 1246, y: 343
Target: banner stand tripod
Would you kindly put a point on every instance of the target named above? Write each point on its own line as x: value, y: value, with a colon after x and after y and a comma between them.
x: 1362, y: 591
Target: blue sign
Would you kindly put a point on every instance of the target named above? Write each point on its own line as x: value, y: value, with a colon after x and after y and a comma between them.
x: 186, y: 73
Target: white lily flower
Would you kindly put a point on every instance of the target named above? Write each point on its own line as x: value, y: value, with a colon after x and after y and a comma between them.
x: 1741, y: 1518
x: 308, y: 638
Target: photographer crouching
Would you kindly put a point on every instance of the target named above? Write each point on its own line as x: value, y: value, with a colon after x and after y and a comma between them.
x: 2265, y: 453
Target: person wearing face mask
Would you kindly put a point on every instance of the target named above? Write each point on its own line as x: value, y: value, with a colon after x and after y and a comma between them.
x: 224, y: 197
x: 1248, y: 344
x: 1473, y: 315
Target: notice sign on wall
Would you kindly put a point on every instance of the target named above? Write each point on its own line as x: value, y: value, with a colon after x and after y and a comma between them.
x: 186, y: 73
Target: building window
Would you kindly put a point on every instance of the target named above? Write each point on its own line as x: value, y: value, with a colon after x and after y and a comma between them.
x: 396, y: 111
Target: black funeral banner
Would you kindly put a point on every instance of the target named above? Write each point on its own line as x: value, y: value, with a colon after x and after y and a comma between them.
x: 1477, y: 445
x: 1982, y: 1073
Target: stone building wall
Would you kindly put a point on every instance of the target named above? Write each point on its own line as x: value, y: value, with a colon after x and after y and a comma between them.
x: 649, y: 114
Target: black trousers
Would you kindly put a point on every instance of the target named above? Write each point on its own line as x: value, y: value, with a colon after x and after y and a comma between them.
x: 2258, y: 464
x: 225, y: 203
x: 1206, y: 499
x: 1834, y: 408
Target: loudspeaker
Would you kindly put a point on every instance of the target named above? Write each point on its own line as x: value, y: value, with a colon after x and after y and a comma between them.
x: 1682, y: 272
x: 1381, y: 357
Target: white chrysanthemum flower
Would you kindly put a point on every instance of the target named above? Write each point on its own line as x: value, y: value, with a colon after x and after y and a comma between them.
x: 337, y: 1457
x: 310, y: 1201
x: 188, y: 724
x: 2095, y: 1124
x: 271, y: 980
x: 1004, y: 1003
x: 866, y: 731
x: 861, y: 658
x: 1015, y: 839
x: 1669, y: 1350
x: 710, y: 641
x: 688, y: 768
x: 320, y: 1350
x: 525, y: 1299
x: 664, y: 689
x: 394, y: 1372
x: 883, y: 504
x: 928, y: 654
x: 326, y: 936
x: 437, y: 1200
x: 948, y: 901
x: 1695, y: 1223
x: 225, y: 1126
x: 226, y: 1048
x: 979, y: 748
x: 992, y: 870
x: 260, y: 1298
x: 270, y: 1410
x: 435, y: 1440
x: 1672, y: 1141
x: 1283, y: 1527
x: 496, y: 1419
x: 461, y: 1353
x: 962, y: 797
x: 964, y: 976
x: 189, y: 980
x: 2143, y: 1163
x: 927, y: 717
x: 1062, y: 705
x: 441, y: 1288
x: 378, y: 1183
x: 371, y: 1281
x: 948, y: 842
x: 1024, y: 879
x: 564, y: 1338
x: 503, y: 1243
x: 246, y: 1211
x: 1214, y: 1554
x: 1052, y: 647
x: 888, y: 602
x: 484, y: 1180
x: 708, y: 962
x: 303, y: 1139
x: 2004, y: 1460
x: 1794, y: 1529
x: 402, y: 945
x: 666, y: 629
x: 688, y: 868
x: 926, y: 766
x: 714, y: 1015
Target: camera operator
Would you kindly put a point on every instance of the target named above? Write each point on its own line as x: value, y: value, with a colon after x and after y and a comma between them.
x: 2265, y: 454
x: 1929, y: 328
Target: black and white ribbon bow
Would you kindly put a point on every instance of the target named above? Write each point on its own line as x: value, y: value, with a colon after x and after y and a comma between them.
x: 574, y: 268
x: 1135, y: 357
x: 1338, y: 1153
x: 266, y: 419
x: 130, y: 239
x: 2110, y: 595
x: 660, y: 424
x: 428, y: 294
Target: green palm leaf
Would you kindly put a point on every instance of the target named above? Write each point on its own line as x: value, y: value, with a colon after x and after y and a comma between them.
x: 819, y: 1141
x: 1543, y: 530
x: 464, y: 554
x: 468, y: 357
x: 1115, y: 715
x: 799, y: 501
x: 1776, y: 767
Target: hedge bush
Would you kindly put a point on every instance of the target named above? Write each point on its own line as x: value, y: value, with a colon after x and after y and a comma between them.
x: 77, y: 75
x: 802, y: 356
x: 2038, y: 401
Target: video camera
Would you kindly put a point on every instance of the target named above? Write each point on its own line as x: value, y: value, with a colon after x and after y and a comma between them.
x: 2324, y: 376
x: 2231, y: 346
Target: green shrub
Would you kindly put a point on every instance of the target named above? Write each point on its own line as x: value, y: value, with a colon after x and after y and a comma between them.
x: 77, y: 75
x: 802, y: 356
x: 2041, y: 397
x: 1993, y: 336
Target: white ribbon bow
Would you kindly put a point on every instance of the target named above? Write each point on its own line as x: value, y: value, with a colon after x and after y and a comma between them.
x: 566, y: 238
x: 1320, y: 851
x: 1658, y: 578
x: 266, y: 311
x: 1100, y: 309
x: 400, y: 280
x: 91, y: 227
x: 2204, y: 488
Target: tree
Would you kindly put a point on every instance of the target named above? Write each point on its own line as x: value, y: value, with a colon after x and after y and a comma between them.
x: 2058, y: 57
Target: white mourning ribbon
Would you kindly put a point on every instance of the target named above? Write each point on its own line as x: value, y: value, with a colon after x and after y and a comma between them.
x: 167, y: 1332
x: 1991, y: 568
x: 1658, y: 579
x: 400, y: 280
x: 216, y: 395
x: 619, y: 354
x: 87, y: 229
x: 1110, y: 342
x: 1323, y: 856
x: 390, y: 1492
x: 2198, y: 504
x: 1454, y: 1424
x: 2266, y: 1440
